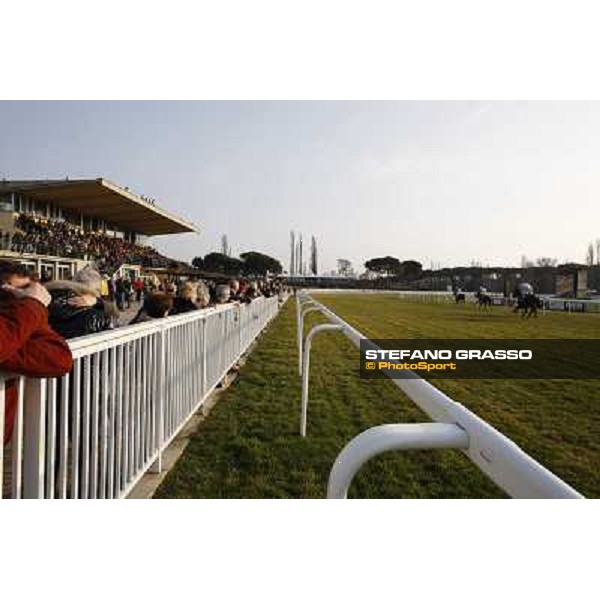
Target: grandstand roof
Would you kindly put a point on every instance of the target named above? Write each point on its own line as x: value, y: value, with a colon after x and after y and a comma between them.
x: 103, y: 199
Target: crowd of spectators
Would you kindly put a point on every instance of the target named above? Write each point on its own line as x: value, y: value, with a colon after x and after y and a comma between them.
x: 54, y: 237
x: 171, y: 297
x: 35, y: 320
x: 89, y: 302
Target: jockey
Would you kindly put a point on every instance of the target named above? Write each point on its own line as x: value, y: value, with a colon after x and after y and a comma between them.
x: 524, y: 289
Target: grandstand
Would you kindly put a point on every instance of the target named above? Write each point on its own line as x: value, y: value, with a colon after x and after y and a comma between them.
x: 59, y: 226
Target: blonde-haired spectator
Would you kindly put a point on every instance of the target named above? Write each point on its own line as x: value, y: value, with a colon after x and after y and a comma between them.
x: 186, y: 299
x: 203, y: 295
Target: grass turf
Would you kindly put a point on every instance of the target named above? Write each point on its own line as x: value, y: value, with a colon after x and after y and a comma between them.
x: 249, y: 447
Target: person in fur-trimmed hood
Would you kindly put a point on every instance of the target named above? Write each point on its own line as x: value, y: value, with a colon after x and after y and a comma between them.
x: 77, y: 307
x: 28, y: 346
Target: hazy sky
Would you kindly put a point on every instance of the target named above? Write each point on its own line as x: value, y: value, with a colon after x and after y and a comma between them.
x: 441, y: 182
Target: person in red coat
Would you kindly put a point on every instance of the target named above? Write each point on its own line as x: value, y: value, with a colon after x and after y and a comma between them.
x: 28, y: 345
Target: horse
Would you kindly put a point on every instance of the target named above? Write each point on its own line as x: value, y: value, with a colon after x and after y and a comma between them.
x: 460, y: 297
x: 483, y: 300
x: 528, y: 305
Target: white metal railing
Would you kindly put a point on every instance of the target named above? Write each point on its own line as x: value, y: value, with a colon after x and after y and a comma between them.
x: 94, y: 432
x: 519, y: 475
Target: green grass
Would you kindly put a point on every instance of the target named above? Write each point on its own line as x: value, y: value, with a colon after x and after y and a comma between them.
x: 249, y: 447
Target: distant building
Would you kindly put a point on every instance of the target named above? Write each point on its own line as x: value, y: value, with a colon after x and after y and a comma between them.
x: 571, y: 281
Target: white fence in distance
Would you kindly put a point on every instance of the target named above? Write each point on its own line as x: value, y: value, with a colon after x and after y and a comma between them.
x: 94, y: 432
x: 554, y: 303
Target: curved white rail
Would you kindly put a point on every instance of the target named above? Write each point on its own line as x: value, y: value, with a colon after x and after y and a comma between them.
x: 306, y: 368
x: 503, y: 461
x: 301, y: 301
x: 384, y: 438
x: 303, y: 313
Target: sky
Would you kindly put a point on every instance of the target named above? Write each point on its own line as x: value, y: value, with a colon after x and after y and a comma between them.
x: 444, y: 183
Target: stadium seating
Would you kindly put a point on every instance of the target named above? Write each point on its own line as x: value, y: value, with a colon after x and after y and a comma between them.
x: 45, y: 236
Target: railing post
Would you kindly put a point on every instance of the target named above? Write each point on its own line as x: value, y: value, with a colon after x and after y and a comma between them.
x: 299, y: 334
x: 204, y: 358
x: 16, y: 440
x: 34, y: 443
x: 156, y: 466
x: 306, y: 369
x: 300, y: 326
x: 303, y: 313
x: 240, y: 332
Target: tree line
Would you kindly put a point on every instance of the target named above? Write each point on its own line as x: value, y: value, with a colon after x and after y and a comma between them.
x: 249, y: 264
x: 391, y: 266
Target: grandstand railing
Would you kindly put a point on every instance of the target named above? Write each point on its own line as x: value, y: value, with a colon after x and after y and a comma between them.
x: 454, y: 426
x: 94, y: 432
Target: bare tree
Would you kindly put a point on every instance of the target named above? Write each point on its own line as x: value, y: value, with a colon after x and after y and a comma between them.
x: 344, y: 267
x: 525, y: 262
x: 589, y: 259
x: 598, y: 251
x: 545, y: 261
x: 292, y: 253
x: 225, y: 245
x: 313, y: 256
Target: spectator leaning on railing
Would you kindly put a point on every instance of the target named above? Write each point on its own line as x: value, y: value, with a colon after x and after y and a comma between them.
x: 157, y: 305
x: 202, y: 294
x: 186, y: 299
x: 28, y: 346
x: 77, y: 307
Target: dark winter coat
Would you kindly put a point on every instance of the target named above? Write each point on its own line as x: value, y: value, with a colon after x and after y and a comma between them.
x: 73, y: 322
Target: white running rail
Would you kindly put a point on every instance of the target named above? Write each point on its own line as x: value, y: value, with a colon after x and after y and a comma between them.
x: 550, y: 302
x: 519, y: 475
x: 94, y: 432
